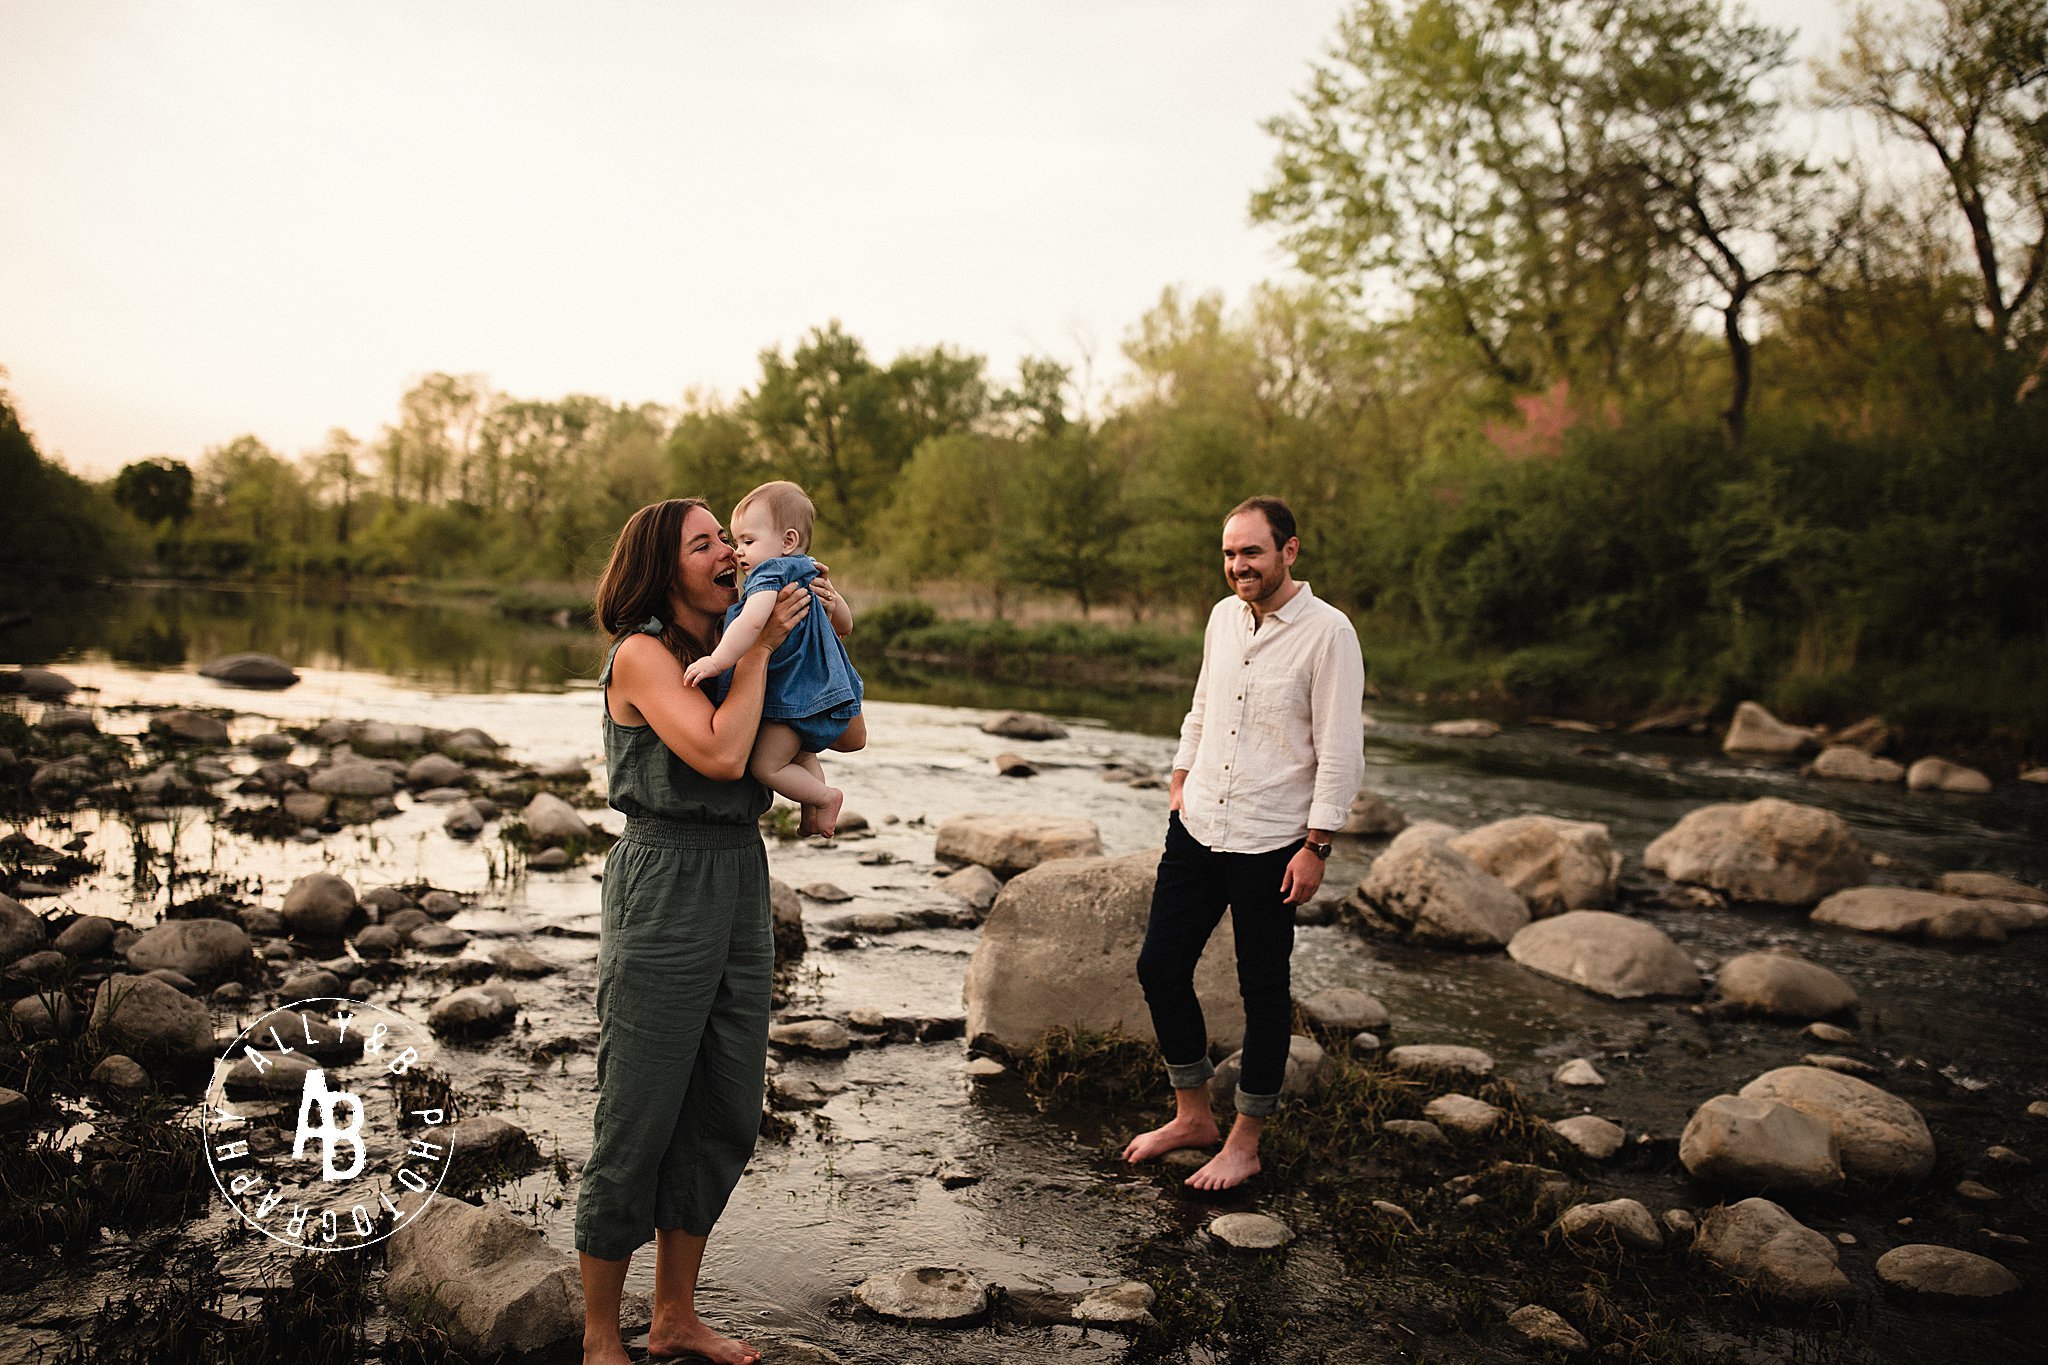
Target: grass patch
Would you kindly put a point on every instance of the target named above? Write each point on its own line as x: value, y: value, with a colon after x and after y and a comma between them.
x: 1070, y: 1066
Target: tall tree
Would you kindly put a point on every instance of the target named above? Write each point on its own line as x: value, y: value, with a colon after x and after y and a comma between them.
x: 825, y: 417
x: 156, y: 490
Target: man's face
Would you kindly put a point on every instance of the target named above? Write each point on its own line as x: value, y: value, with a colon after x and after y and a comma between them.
x: 755, y: 539
x: 1253, y: 565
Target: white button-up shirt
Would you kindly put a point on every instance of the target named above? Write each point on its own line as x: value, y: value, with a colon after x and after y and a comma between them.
x: 1274, y: 744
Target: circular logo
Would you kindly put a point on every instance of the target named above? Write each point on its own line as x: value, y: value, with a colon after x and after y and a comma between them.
x: 327, y: 1126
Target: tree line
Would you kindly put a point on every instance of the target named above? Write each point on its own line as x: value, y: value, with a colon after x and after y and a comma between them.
x: 1594, y: 369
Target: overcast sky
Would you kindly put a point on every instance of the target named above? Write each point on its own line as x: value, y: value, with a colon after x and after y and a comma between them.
x: 237, y: 217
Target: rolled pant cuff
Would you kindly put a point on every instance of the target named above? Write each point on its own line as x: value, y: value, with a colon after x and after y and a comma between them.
x: 1256, y: 1106
x: 1188, y: 1075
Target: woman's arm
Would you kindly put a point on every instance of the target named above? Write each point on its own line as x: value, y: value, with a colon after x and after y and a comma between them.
x: 739, y: 637
x: 714, y: 740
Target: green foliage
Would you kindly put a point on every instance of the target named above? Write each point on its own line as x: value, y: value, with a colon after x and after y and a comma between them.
x: 155, y: 490
x: 57, y: 528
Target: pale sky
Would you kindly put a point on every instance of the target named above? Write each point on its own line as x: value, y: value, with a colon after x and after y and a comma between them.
x: 255, y: 217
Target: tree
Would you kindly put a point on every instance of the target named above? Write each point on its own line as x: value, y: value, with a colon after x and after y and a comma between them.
x: 156, y: 490
x: 336, y: 471
x: 1069, y: 518
x: 712, y: 455
x: 1968, y: 81
x: 249, y: 490
x: 824, y: 418
x: 954, y: 512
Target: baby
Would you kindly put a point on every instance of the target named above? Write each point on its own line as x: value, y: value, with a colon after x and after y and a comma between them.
x: 813, y: 701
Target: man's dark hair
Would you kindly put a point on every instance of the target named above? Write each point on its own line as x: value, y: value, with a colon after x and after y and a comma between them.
x: 1278, y: 515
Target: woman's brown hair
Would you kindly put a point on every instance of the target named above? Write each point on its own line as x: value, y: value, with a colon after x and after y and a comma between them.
x: 641, y: 575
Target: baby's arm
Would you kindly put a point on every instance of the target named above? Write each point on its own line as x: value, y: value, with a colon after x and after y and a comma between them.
x: 841, y: 615
x: 739, y: 637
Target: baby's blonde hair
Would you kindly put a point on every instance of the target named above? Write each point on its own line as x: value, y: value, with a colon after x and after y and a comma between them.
x: 788, y: 505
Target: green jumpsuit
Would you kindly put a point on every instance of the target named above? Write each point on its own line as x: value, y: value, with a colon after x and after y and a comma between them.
x: 684, y: 963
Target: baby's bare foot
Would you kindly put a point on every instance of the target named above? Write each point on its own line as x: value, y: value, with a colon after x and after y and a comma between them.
x: 828, y: 814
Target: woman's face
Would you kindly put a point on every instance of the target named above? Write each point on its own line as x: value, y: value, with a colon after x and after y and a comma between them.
x: 707, y: 575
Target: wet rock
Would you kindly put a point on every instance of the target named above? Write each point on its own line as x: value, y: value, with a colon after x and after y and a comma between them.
x: 1251, y: 1231
x: 1545, y: 1330
x: 175, y: 980
x: 441, y: 904
x: 1760, y: 1145
x: 1938, y: 774
x: 272, y: 745
x: 1023, y: 725
x: 201, y: 949
x: 1978, y: 1193
x: 823, y: 1037
x: 2015, y: 917
x: 1880, y: 1136
x: 1768, y: 850
x: 438, y: 938
x: 1593, y: 1136
x: 313, y: 985
x: 22, y: 930
x: 1680, y: 1225
x: 1755, y: 730
x: 548, y: 860
x: 1622, y: 1223
x: 86, y: 936
x: 1846, y: 763
x: 1126, y: 1305
x: 354, y: 778
x: 925, y: 1296
x: 117, y: 1072
x: 1308, y: 1070
x: 1365, y: 1044
x: 786, y: 918
x: 468, y: 743
x: 2038, y: 776
x: 1759, y: 1244
x: 1848, y: 1066
x: 189, y: 727
x: 15, y: 1110
x: 826, y: 893
x: 975, y: 885
x: 148, y: 1018
x: 2006, y: 1156
x: 1829, y: 1033
x: 488, y: 1139
x: 45, y: 966
x: 1014, y: 765
x: 474, y: 1011
x: 1421, y: 1132
x: 308, y: 808
x: 1465, y: 729
x: 38, y: 684
x: 1554, y: 865
x: 1440, y: 1059
x: 1946, y: 1274
x: 386, y: 900
x: 464, y: 820
x: 985, y: 1068
x: 64, y: 720
x: 516, y: 960
x: 1342, y: 1009
x: 1057, y: 951
x: 1009, y: 844
x: 1784, y: 984
x: 1372, y: 816
x: 1901, y: 913
x: 319, y: 905
x: 435, y: 770
x: 33, y: 1017
x: 1580, y: 1072
x: 408, y: 921
x: 486, y: 1277
x: 1463, y: 1115
x: 249, y: 670
x: 1608, y: 954
x: 281, y: 1075
x: 552, y: 821
x: 1420, y: 888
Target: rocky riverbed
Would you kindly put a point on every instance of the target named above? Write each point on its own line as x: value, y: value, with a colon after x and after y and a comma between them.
x: 422, y: 852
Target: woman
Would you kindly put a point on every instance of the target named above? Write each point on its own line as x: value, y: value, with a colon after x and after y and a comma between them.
x: 685, y: 953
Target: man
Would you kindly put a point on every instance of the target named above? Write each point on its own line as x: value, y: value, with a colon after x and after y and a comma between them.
x: 1271, y: 753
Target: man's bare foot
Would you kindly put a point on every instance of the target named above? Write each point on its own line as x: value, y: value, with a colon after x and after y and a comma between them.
x: 697, y: 1338
x: 611, y: 1351
x: 827, y: 822
x: 1226, y: 1170
x: 1181, y: 1132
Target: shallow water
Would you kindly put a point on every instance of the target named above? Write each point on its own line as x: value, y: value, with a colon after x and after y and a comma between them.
x: 854, y: 1190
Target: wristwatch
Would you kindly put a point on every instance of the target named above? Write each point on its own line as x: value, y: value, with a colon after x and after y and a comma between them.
x: 1320, y: 850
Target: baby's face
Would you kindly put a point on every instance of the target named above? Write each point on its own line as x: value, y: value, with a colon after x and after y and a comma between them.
x: 755, y: 539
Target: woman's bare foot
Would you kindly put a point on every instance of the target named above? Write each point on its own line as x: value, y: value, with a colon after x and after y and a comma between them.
x: 695, y: 1337
x: 828, y: 814
x: 1226, y: 1170
x: 1198, y: 1131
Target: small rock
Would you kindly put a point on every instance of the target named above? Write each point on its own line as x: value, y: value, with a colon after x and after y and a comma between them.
x: 249, y: 670
x: 1617, y: 1222
x: 1761, y: 1245
x: 1463, y: 1115
x: 441, y: 904
x: 1903, y: 913
x: 1365, y: 1044
x: 1608, y: 954
x: 548, y: 860
x: 474, y: 1011
x: 438, y: 938
x: 2006, y: 1156
x: 1680, y: 1223
x: 1848, y: 1066
x: 552, y: 821
x: 515, y: 960
x: 15, y: 1110
x: 825, y: 892
x: 379, y: 940
x: 1024, y: 725
x: 1542, y: 1328
x: 1830, y: 1033
x: 86, y: 936
x: 1978, y: 1193
x: 1784, y: 984
x: 973, y: 884
x: 985, y: 1068
x: 1938, y: 774
x: 1440, y: 1059
x: 1760, y: 1144
x: 117, y: 1072
x: 1939, y: 1272
x: 1880, y: 1136
x: 144, y: 1015
x: 1119, y: 1305
x: 319, y: 906
x: 821, y: 1036
x: 2039, y: 1109
x: 1372, y: 816
x: 1341, y: 1009
x: 315, y: 985
x: 1251, y: 1231
x: 927, y: 1296
x: 1465, y: 729
x: 464, y: 821
x: 1989, y: 886
x: 1592, y: 1135
x: 1578, y: 1071
x: 1755, y: 730
x: 189, y: 727
x: 22, y: 930
x: 1014, y: 765
x: 1419, y: 1131
x: 1847, y: 763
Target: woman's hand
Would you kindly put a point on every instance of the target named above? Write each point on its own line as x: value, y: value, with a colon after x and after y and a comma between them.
x: 792, y: 605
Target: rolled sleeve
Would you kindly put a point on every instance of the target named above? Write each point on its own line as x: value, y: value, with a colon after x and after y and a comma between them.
x: 1338, y: 721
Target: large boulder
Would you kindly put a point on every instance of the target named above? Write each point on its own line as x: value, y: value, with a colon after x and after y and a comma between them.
x: 1881, y: 1137
x: 1007, y: 844
x: 486, y: 1277
x: 1608, y: 954
x: 319, y: 905
x: 249, y: 670
x: 1902, y: 913
x: 1555, y: 865
x: 551, y: 821
x: 1759, y: 1244
x: 1769, y: 850
x: 22, y: 930
x: 146, y: 1017
x: 1940, y: 775
x: 1058, y: 951
x: 1847, y: 763
x: 1761, y: 1146
x: 1784, y: 984
x: 1423, y: 889
x: 203, y: 949
x: 1756, y: 731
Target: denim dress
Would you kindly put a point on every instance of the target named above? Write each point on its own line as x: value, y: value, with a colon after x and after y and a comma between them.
x: 812, y: 687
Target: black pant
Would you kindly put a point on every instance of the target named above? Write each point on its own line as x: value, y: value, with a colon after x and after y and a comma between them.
x: 1195, y: 885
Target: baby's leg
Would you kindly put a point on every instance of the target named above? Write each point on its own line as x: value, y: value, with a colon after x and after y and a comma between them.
x: 777, y: 764
x: 824, y: 820
x: 856, y: 737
